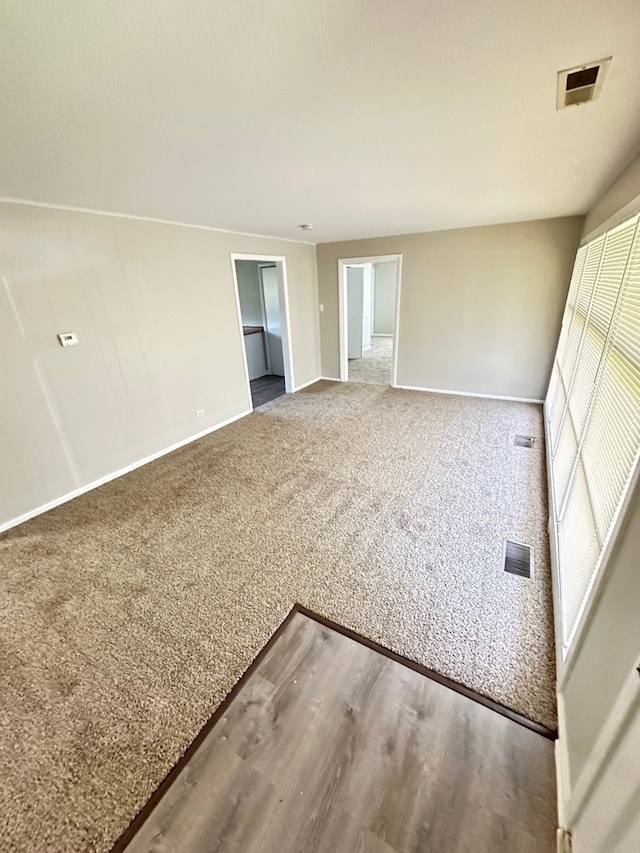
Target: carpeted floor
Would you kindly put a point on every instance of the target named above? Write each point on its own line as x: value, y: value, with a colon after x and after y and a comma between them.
x: 374, y: 367
x: 128, y: 613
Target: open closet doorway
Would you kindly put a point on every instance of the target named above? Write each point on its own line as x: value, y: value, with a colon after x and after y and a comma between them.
x: 369, y: 299
x: 261, y: 288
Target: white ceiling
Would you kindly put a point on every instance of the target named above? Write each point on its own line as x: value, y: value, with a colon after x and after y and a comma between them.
x: 364, y: 117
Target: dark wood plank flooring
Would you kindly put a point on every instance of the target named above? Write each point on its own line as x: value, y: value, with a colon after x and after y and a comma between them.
x: 329, y: 746
x: 265, y: 389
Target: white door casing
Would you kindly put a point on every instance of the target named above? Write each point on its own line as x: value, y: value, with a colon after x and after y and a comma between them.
x: 343, y: 313
x: 280, y: 262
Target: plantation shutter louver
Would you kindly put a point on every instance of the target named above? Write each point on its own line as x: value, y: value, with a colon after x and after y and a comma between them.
x: 613, y: 435
x: 579, y: 549
x: 603, y: 302
x: 580, y: 310
x: 557, y: 395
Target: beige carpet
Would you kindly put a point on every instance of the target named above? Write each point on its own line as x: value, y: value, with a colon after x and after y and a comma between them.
x: 127, y: 614
x: 374, y: 367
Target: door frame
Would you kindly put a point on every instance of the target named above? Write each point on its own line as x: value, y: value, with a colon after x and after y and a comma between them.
x: 343, y: 263
x: 280, y: 262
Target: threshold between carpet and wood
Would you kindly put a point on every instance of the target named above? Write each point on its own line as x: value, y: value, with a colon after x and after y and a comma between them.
x: 129, y: 613
x: 329, y: 745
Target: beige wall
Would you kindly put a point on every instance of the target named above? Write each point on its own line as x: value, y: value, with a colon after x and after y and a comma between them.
x: 480, y: 308
x: 154, y: 309
x: 623, y: 193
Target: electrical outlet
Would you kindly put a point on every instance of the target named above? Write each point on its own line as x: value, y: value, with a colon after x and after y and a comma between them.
x: 200, y: 413
x: 321, y: 307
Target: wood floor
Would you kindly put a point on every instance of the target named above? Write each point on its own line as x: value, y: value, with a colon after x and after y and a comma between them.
x: 331, y: 747
x: 265, y: 389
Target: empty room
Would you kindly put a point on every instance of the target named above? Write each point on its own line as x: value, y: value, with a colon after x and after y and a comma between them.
x: 320, y: 427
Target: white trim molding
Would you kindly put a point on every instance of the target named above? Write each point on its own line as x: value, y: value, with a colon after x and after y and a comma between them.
x: 95, y: 212
x: 563, y: 778
x: 468, y: 394
x: 563, y: 841
x: 14, y: 522
x: 236, y: 293
x: 306, y: 384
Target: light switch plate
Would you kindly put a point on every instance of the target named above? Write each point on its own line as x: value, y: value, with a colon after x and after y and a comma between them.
x: 68, y: 339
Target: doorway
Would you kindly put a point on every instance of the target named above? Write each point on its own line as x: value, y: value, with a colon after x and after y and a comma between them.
x: 264, y: 319
x: 369, y: 299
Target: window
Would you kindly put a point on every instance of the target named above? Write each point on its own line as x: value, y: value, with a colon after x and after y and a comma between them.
x: 593, y: 409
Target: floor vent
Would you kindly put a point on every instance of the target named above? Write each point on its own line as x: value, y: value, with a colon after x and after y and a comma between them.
x: 524, y: 441
x: 517, y: 559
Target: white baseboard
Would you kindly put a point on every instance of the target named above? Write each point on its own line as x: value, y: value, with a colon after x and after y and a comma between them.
x: 562, y: 776
x: 14, y: 522
x: 306, y: 384
x: 332, y: 379
x: 467, y: 394
x: 563, y: 841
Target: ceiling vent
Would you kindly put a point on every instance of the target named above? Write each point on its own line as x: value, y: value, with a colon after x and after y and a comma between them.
x: 581, y: 84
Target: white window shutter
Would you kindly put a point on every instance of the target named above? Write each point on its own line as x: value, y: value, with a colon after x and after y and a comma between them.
x: 557, y: 413
x: 555, y: 406
x: 593, y: 409
x: 553, y: 384
x: 601, y: 311
x: 613, y: 435
x: 572, y: 296
x: 578, y: 311
x: 564, y: 462
x: 579, y: 549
